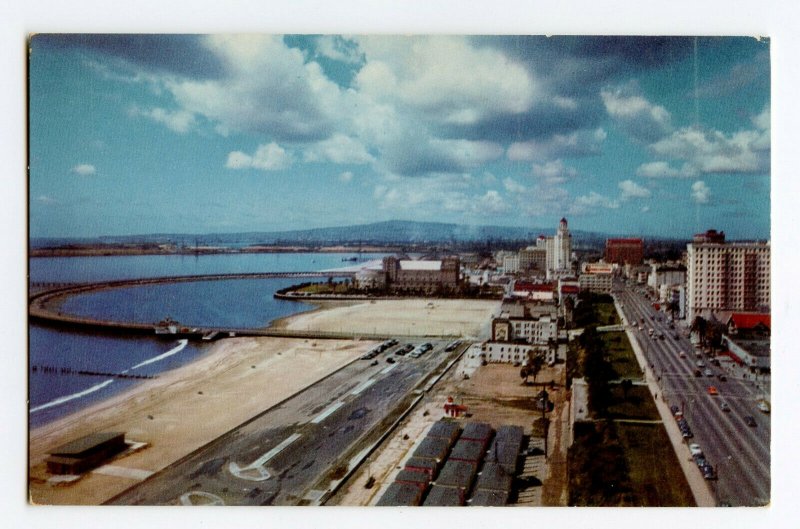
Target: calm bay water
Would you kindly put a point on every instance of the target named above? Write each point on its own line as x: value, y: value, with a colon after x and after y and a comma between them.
x: 234, y: 303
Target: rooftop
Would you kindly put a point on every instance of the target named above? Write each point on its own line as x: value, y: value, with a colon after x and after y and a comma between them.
x: 87, y: 443
x: 421, y: 265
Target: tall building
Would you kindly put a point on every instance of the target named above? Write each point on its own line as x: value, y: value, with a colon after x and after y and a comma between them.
x: 624, y: 251
x: 727, y: 276
x: 559, y: 251
x: 426, y: 277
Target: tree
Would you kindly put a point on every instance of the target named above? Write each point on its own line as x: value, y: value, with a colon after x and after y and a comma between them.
x: 699, y: 326
x: 524, y: 373
x: 673, y: 307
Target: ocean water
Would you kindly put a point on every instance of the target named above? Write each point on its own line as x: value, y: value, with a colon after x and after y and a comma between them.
x: 55, y: 355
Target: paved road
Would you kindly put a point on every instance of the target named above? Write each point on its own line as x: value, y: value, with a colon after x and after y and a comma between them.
x: 291, y: 454
x: 739, y: 453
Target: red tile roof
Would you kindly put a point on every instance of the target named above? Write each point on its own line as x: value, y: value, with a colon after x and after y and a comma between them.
x: 569, y: 289
x: 748, y: 320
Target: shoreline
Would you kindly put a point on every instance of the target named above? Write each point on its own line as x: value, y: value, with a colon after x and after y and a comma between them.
x: 185, y: 408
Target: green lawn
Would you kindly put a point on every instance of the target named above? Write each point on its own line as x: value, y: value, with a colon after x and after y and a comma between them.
x: 638, y: 404
x: 653, y: 468
x: 621, y: 355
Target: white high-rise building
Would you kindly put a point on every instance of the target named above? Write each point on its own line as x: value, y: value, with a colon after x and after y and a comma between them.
x: 727, y: 276
x: 559, y: 251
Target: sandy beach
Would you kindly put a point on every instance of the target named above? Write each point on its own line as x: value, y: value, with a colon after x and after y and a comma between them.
x: 184, y: 409
x: 398, y: 317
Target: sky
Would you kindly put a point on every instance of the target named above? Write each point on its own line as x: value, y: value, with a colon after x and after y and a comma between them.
x: 138, y: 134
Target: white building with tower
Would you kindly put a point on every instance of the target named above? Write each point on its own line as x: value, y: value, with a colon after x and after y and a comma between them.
x: 559, y: 251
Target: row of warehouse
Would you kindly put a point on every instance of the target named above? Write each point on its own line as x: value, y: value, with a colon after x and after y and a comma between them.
x: 451, y: 467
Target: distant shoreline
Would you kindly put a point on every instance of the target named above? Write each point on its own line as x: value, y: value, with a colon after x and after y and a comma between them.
x: 102, y: 250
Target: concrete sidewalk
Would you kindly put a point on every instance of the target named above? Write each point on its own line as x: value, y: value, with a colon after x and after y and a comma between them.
x: 701, y: 490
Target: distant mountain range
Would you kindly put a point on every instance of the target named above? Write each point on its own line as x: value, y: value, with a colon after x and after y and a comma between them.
x: 378, y: 233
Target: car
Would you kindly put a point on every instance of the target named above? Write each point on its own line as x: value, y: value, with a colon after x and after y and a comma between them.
x: 750, y: 421
x: 724, y: 407
x: 390, y: 360
x: 700, y: 364
x: 697, y: 373
x: 682, y: 354
x: 695, y: 449
x: 712, y: 390
x: 722, y: 378
x: 763, y: 406
x: 715, y: 362
x: 674, y: 409
x: 708, y: 373
x: 374, y: 363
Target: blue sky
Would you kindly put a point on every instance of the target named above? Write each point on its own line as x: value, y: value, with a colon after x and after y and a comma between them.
x: 228, y: 133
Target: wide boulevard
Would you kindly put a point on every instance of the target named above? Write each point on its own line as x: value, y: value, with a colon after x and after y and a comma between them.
x: 740, y: 453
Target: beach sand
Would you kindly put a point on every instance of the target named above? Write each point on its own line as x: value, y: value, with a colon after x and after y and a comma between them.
x: 395, y: 317
x: 185, y: 408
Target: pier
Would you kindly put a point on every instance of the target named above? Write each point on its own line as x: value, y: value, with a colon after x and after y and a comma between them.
x: 40, y: 309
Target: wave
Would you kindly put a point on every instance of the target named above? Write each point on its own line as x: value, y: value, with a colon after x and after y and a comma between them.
x: 178, y: 349
x: 62, y: 400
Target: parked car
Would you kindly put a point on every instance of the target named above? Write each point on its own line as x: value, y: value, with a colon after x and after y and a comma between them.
x: 712, y: 390
x: 695, y: 449
x: 708, y: 373
x: 763, y: 406
x: 722, y: 377
x: 682, y: 354
x: 724, y: 407
x: 750, y: 421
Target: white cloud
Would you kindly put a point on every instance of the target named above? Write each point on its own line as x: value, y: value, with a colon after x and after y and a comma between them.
x: 593, y: 201
x: 338, y: 48
x: 700, y: 192
x: 663, y: 169
x: 270, y: 157
x: 637, y: 116
x: 645, y: 209
x: 631, y: 189
x: 44, y: 199
x: 346, y: 176
x: 445, y: 77
x: 339, y: 149
x: 711, y: 151
x: 84, y: 169
x: 512, y: 186
x: 579, y: 143
x: 180, y: 121
x: 553, y: 172
x: 492, y: 203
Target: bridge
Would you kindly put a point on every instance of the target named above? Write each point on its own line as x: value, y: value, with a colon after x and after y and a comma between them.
x: 40, y: 308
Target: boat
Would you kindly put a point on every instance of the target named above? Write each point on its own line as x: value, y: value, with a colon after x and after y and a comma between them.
x: 350, y: 259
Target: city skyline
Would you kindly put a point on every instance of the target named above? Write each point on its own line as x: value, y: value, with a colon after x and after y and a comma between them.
x: 134, y: 134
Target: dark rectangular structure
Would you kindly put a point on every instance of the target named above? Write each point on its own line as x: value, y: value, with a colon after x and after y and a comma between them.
x: 511, y: 434
x: 422, y: 464
x: 477, y: 431
x: 401, y: 495
x: 413, y: 477
x: 431, y: 448
x: 459, y: 474
x: 624, y: 251
x: 444, y: 430
x: 494, y: 477
x: 469, y: 451
x: 488, y: 498
x: 504, y: 454
x: 86, y: 453
x: 440, y: 496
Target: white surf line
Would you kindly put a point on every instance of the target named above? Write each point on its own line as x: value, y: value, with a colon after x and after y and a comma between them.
x: 255, y: 471
x: 322, y: 416
x: 174, y: 350
x: 361, y: 387
x: 62, y: 400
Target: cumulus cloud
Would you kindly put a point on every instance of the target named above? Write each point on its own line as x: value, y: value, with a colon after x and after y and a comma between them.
x: 269, y: 157
x: 635, y: 114
x: 84, y: 169
x: 554, y: 172
x: 346, y: 176
x: 711, y: 151
x: 593, y: 201
x: 631, y: 189
x: 180, y: 121
x: 579, y: 143
x: 445, y: 77
x: 512, y: 186
x: 700, y: 192
x: 339, y: 149
x: 663, y: 169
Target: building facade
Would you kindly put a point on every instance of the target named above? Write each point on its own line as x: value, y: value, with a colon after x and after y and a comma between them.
x: 624, y: 251
x: 423, y: 277
x: 596, y: 277
x: 727, y: 276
